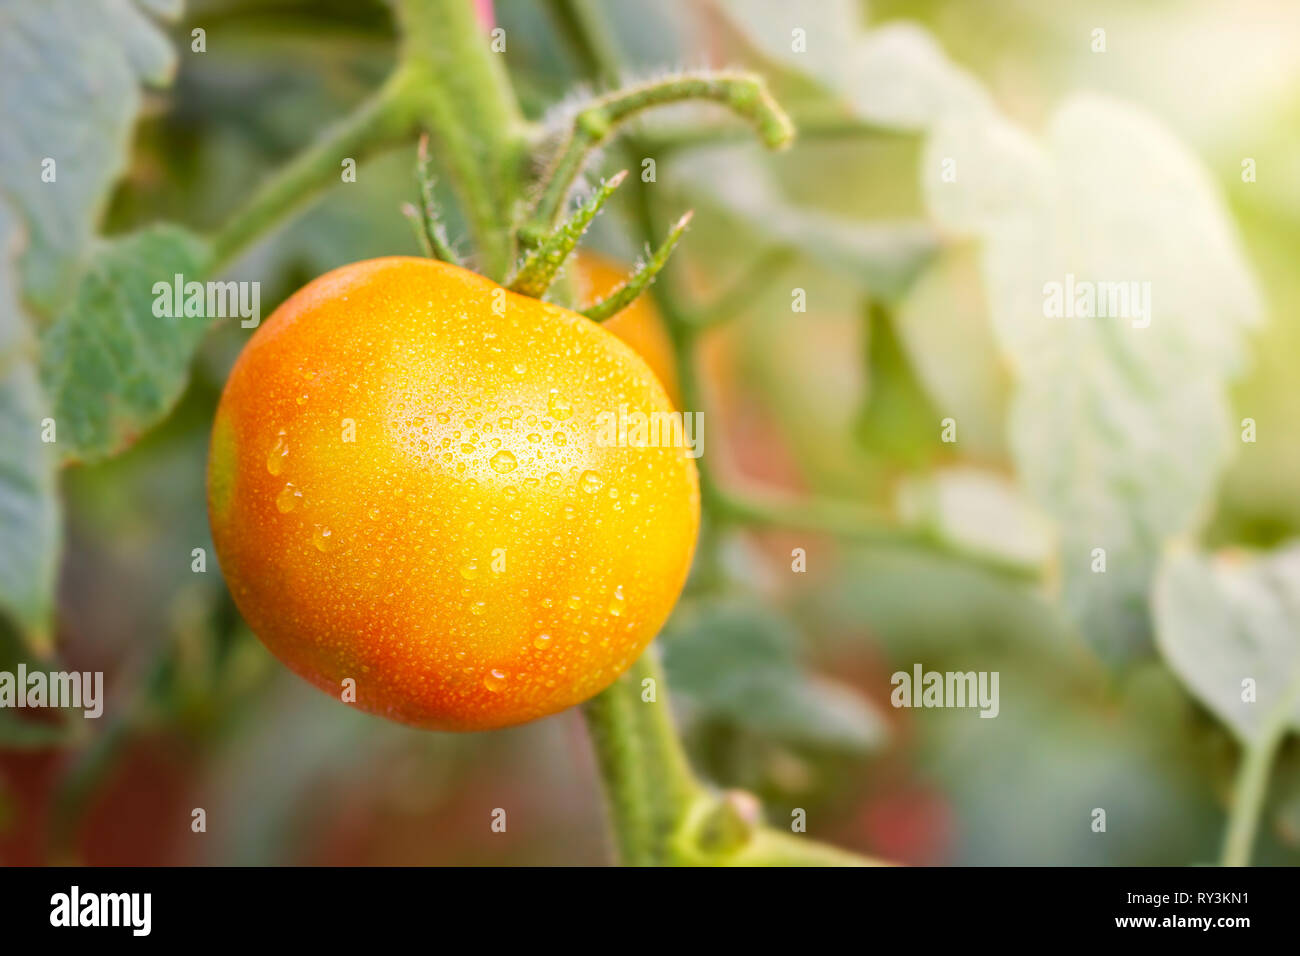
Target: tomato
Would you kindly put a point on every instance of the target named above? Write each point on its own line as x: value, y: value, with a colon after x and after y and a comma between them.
x: 639, y: 325
x: 411, y: 485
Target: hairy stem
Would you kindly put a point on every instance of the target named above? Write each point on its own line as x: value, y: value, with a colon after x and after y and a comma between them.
x: 543, y: 263
x: 627, y: 291
x: 458, y: 89
x: 648, y: 783
x: 743, y: 94
x: 640, y: 760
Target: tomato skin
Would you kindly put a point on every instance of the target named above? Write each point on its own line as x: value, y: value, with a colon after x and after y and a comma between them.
x: 478, y: 555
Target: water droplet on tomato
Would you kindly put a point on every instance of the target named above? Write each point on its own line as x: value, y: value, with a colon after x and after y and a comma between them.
x: 288, y: 498
x: 279, y: 452
x: 323, y: 539
x: 558, y: 407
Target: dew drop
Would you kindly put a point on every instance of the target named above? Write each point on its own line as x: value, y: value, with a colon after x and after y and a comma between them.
x: 323, y: 540
x: 494, y: 680
x: 559, y: 408
x: 542, y: 641
x: 288, y: 498
x: 590, y: 482
x: 617, y: 602
x: 503, y: 462
x: 279, y: 452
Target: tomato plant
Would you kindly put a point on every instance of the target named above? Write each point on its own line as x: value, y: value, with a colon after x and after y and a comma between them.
x: 416, y: 503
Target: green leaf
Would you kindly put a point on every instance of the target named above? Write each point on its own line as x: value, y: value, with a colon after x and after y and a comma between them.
x: 898, y: 422
x: 894, y: 76
x: 70, y: 75
x: 1226, y: 619
x: 978, y: 512
x: 742, y: 664
x: 29, y: 508
x: 111, y: 367
x: 943, y: 327
x: 1118, y: 428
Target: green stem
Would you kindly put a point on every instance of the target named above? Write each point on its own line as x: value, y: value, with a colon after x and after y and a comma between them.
x: 459, y: 90
x: 812, y: 128
x: 1251, y: 786
x: 743, y: 94
x: 769, y: 846
x: 849, y: 521
x: 435, y: 235
x: 449, y: 81
x: 380, y: 124
x: 648, y: 783
x: 539, y: 269
x: 627, y: 291
x: 660, y: 813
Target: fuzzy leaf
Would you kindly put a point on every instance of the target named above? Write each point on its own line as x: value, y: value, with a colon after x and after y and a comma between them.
x: 70, y: 75
x: 736, y: 662
x: 111, y: 367
x: 29, y: 509
x: 1223, y: 620
x: 1119, y: 423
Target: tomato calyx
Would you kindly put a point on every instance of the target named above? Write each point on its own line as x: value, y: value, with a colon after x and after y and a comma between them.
x: 548, y: 250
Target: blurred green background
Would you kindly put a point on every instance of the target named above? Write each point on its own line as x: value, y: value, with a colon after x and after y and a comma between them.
x: 782, y: 679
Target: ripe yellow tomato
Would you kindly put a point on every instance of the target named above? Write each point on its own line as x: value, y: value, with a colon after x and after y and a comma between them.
x: 411, y: 485
x: 639, y: 325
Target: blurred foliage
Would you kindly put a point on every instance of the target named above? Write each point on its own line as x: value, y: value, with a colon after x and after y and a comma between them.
x: 917, y: 305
